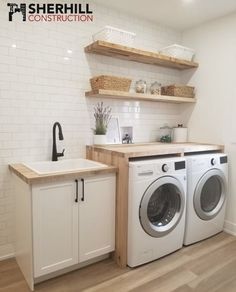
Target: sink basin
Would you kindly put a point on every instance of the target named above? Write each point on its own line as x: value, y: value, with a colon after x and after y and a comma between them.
x: 47, y: 167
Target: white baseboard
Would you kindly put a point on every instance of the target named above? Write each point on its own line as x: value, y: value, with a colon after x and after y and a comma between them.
x: 70, y: 269
x: 230, y: 227
x: 6, y: 252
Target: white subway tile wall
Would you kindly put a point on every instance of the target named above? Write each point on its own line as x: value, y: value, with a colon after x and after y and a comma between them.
x: 44, y: 73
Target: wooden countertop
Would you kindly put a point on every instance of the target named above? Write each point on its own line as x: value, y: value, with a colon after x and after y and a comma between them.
x: 122, y: 150
x: 31, y: 177
x: 154, y: 149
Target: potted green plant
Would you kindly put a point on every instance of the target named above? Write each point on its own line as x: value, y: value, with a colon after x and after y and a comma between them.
x: 102, y: 117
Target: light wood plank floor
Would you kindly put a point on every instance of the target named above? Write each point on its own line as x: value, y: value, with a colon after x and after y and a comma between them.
x: 203, y: 267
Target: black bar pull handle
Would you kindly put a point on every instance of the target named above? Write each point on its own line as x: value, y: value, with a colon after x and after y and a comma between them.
x: 76, y: 191
x: 82, y: 198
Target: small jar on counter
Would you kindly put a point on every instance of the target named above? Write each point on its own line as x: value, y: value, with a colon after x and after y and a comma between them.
x: 165, y: 134
x: 141, y: 86
x: 155, y: 88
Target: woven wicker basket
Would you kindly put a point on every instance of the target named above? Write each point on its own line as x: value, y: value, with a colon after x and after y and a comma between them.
x: 178, y: 90
x: 110, y: 83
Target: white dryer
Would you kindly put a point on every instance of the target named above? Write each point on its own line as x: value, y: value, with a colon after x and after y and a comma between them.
x: 207, y: 177
x: 156, y: 210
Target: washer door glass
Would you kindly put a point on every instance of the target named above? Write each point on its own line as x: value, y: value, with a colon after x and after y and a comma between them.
x: 210, y: 193
x: 162, y: 206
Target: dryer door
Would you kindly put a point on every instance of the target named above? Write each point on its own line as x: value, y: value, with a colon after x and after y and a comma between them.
x: 210, y: 194
x: 162, y: 206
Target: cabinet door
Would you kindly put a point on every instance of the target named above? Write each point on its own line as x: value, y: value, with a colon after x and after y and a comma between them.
x: 55, y: 227
x: 97, y: 217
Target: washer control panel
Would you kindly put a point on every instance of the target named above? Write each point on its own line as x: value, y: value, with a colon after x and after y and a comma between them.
x: 153, y: 168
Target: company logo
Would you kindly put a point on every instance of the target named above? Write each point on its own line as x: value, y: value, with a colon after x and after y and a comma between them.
x: 51, y: 12
x: 15, y: 8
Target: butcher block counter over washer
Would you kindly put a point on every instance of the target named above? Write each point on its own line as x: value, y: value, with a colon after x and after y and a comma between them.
x: 119, y: 156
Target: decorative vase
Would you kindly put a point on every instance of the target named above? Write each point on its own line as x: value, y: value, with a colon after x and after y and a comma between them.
x: 99, y: 139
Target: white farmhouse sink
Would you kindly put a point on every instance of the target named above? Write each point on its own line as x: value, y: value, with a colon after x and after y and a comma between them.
x: 47, y: 167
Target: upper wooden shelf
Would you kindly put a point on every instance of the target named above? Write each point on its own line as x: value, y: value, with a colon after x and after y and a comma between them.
x: 137, y: 55
x: 138, y: 96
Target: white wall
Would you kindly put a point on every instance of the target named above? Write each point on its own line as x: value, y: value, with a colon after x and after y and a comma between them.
x: 39, y: 87
x: 214, y: 117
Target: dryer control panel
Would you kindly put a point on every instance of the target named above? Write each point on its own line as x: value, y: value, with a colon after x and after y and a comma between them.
x: 205, y: 162
x: 223, y: 159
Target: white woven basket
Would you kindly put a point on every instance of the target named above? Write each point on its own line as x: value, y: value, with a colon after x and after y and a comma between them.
x: 179, y: 52
x: 115, y: 35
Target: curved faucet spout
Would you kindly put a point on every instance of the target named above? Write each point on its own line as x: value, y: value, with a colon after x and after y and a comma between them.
x: 55, y: 154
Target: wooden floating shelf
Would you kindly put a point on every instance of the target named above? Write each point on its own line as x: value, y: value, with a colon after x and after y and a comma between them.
x: 100, y: 93
x: 137, y: 55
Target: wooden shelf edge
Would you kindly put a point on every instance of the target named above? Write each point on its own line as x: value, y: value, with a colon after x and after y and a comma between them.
x: 138, y: 55
x: 100, y: 93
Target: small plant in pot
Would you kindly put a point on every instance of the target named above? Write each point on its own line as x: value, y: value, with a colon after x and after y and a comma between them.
x: 102, y: 117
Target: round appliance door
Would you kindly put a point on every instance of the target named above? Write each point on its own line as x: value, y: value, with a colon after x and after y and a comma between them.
x: 162, y: 206
x: 210, y: 194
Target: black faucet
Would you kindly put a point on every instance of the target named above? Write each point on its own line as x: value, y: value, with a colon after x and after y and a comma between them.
x: 55, y: 155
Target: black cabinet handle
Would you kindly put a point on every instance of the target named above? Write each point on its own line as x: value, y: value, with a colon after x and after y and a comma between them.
x: 82, y: 198
x: 76, y: 191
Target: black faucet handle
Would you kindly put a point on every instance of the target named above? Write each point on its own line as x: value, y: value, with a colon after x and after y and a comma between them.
x: 61, y: 154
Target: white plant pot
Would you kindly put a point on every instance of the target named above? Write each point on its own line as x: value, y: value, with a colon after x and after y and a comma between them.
x: 99, y: 139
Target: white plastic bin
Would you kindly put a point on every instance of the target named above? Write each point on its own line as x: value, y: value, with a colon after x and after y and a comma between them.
x: 179, y: 52
x: 115, y: 35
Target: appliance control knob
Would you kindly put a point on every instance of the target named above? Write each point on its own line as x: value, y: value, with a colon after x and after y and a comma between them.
x: 165, y: 167
x: 213, y: 161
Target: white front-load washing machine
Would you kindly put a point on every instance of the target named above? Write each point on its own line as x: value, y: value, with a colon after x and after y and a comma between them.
x: 156, y: 208
x: 207, y: 179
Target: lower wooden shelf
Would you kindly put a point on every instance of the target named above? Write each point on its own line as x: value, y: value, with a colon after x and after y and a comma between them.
x: 100, y: 93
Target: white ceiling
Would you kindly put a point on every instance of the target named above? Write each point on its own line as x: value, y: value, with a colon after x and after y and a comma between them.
x: 178, y: 14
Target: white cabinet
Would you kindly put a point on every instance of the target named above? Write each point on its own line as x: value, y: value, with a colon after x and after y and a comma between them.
x: 55, y: 227
x: 96, y: 217
x: 67, y: 231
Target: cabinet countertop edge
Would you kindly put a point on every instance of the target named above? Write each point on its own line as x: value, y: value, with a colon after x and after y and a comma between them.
x: 31, y: 177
